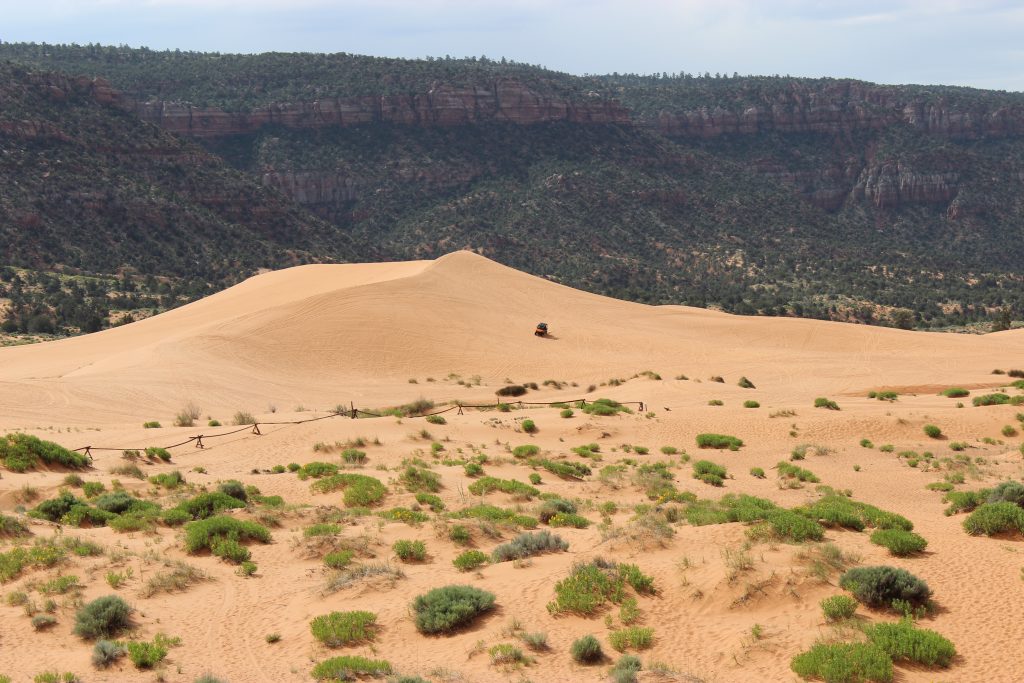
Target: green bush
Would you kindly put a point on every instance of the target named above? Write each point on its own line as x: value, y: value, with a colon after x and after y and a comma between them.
x: 496, y: 514
x: 321, y: 529
x: 569, y: 519
x: 525, y: 451
x: 145, y: 655
x: 360, y: 490
x: 632, y: 637
x: 757, y: 472
x: 338, y: 559
x: 586, y: 650
x: 349, y: 667
x: 836, y: 510
x: 436, y: 419
x: 904, y: 641
x: 879, y: 586
x: 20, y: 452
x: 534, y: 478
x: 529, y: 426
x: 410, y: 551
x: 995, y: 518
x: 206, y: 505
x: 527, y: 545
x: 932, y: 431
x: 443, y: 610
x: 996, y: 399
x: 787, y: 471
x: 420, y: 479
x: 567, y: 470
x: 470, y: 560
x: 316, y: 470
x: 460, y: 535
x: 152, y: 424
x: 168, y: 480
x: 719, y: 441
x: 103, y: 617
x: 511, y: 390
x: 709, y: 472
x: 566, y: 413
x: 157, y: 453
x: 964, y: 501
x: 590, y: 586
x: 899, y: 542
x: 955, y: 392
x: 510, y: 486
x: 822, y: 402
x: 751, y: 404
x: 230, y: 550
x: 201, y: 535
x: 431, y: 500
x: 344, y: 628
x: 746, y: 383
x: 844, y: 663
x: 604, y: 407
x: 838, y: 607
x: 1007, y: 492
x: 105, y: 653
x: 234, y: 488
x: 792, y: 526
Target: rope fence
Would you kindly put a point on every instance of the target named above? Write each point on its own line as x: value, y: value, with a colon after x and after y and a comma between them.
x: 353, y: 413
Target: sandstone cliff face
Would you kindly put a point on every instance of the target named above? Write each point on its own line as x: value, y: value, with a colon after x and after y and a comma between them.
x: 506, y: 101
x: 844, y: 108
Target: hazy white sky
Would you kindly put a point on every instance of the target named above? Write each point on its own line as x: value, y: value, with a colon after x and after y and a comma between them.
x: 978, y: 43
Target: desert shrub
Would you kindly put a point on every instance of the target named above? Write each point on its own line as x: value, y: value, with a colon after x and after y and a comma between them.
x: 569, y: 519
x: 943, y: 486
x: 990, y: 519
x: 417, y: 479
x: 41, y: 622
x: 360, y: 490
x: 757, y: 472
x: 932, y: 431
x: 751, y: 404
x: 460, y: 535
x: 20, y: 452
x: 157, y: 453
x: 152, y: 424
x: 436, y: 419
x: 431, y: 500
x: 746, y: 383
x: 553, y: 506
x: 709, y: 472
x: 564, y: 469
x: 632, y: 637
x: 625, y: 669
x: 102, y: 618
x: 525, y: 451
x: 321, y: 529
x: 527, y: 545
x: 206, y: 505
x: 515, y: 488
x: 716, y: 402
x: 344, y: 628
x: 168, y: 480
x: 473, y: 469
x: 12, y: 527
x: 470, y: 560
x: 1008, y: 492
x: 405, y: 515
x: 838, y: 607
x: 822, y: 402
x: 410, y: 551
x: 353, y: 456
x: 904, y: 641
x: 719, y: 441
x: 604, y: 407
x: 511, y: 390
x: 93, y: 488
x: 836, y: 510
x: 964, y: 501
x: 316, y: 469
x: 202, y: 534
x: 350, y: 667
x: 534, y: 478
x: 146, y: 655
x: 106, y: 653
x: 529, y: 426
x: 787, y: 471
x: 792, y: 526
x: 880, y: 586
x: 55, y: 508
x: 338, y: 559
x: 844, y: 663
x: 586, y: 650
x: 234, y: 488
x: 443, y: 610
x: 955, y: 392
x: 899, y: 542
x: 996, y: 399
x: 506, y: 654
x: 230, y: 550
x: 566, y: 413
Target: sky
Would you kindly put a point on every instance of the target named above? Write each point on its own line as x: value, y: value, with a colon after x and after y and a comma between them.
x: 978, y: 43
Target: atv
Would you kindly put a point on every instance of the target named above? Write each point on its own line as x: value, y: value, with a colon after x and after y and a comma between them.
x: 542, y: 330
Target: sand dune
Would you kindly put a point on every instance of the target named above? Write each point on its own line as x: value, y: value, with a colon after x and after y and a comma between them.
x: 291, y: 344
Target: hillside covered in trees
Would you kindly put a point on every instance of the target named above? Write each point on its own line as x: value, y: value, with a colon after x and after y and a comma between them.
x: 836, y: 199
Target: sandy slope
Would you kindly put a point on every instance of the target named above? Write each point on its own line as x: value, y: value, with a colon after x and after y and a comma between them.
x: 317, y: 336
